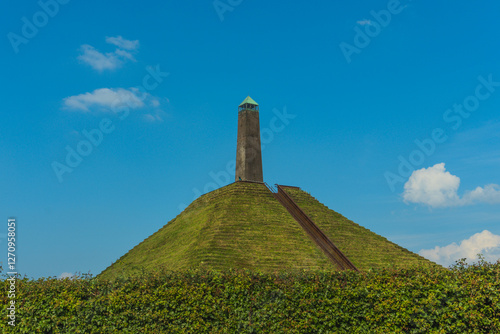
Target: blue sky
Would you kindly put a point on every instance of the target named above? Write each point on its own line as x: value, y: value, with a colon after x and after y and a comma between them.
x: 347, y: 91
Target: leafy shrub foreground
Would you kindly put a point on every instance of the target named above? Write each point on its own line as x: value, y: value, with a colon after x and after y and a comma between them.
x: 464, y: 299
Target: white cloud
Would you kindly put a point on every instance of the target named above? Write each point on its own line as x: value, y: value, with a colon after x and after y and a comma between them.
x: 485, y: 243
x: 98, y: 60
x: 436, y: 187
x: 489, y: 194
x: 125, y: 54
x: 66, y: 275
x: 364, y: 22
x: 110, y: 60
x: 111, y: 99
x: 433, y: 186
x: 123, y: 43
x: 151, y: 118
x: 154, y: 117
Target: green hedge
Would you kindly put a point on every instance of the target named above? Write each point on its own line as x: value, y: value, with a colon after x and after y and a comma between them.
x: 464, y: 299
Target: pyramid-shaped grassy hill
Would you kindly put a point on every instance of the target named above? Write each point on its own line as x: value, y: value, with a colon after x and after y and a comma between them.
x: 240, y: 226
x: 243, y: 225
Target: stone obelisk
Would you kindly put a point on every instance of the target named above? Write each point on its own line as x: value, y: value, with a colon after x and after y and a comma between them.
x: 248, y: 151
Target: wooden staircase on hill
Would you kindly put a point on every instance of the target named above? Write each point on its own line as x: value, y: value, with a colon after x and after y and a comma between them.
x: 324, y: 243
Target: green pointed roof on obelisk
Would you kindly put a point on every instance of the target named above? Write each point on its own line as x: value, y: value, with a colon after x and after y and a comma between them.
x: 248, y: 100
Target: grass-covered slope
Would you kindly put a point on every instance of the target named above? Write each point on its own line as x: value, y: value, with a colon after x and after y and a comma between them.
x: 238, y: 226
x: 365, y: 249
x: 243, y: 226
